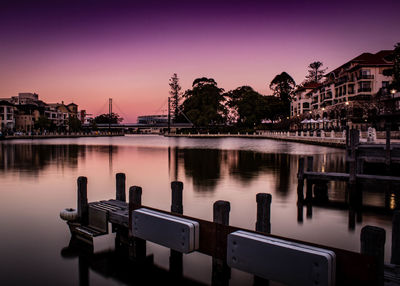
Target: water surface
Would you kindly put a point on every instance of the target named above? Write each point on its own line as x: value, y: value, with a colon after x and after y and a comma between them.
x: 38, y: 179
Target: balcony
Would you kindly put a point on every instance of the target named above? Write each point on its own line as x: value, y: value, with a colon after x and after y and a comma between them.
x: 365, y: 76
x: 364, y: 89
x: 341, y: 81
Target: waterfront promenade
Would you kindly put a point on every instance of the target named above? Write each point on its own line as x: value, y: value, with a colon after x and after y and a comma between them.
x: 330, y: 139
x: 62, y: 135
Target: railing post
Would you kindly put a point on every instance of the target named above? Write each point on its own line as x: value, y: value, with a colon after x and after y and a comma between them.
x: 120, y: 187
x: 220, y: 270
x: 83, y: 206
x: 373, y: 244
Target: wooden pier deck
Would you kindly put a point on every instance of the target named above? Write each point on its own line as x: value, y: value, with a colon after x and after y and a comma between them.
x: 352, y: 268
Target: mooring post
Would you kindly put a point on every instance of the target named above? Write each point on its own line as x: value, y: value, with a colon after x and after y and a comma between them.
x: 310, y: 163
x: 176, y: 258
x: 220, y: 270
x: 300, y: 177
x: 135, y: 200
x: 395, y: 259
x: 387, y: 151
x: 354, y: 141
x: 120, y: 179
x: 263, y: 224
x: 137, y: 246
x: 373, y: 244
x: 83, y: 206
x: 176, y: 201
x: 83, y: 266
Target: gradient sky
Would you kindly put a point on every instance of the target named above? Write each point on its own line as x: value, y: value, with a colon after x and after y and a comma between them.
x: 88, y: 51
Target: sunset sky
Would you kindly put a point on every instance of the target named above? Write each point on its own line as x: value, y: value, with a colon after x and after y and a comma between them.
x: 88, y: 51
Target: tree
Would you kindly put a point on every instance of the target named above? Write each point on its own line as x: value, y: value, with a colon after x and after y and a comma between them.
x: 396, y: 67
x: 106, y: 119
x: 315, y: 72
x: 74, y: 124
x: 176, y: 94
x: 283, y: 85
x: 250, y: 107
x: 43, y: 123
x: 203, y: 103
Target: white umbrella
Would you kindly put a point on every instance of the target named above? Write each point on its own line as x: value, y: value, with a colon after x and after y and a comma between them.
x: 313, y: 121
x: 305, y: 121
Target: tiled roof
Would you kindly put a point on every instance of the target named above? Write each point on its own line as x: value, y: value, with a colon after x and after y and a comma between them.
x: 381, y: 58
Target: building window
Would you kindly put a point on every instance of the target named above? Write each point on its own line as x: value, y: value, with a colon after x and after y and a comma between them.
x: 351, y: 88
x: 344, y: 90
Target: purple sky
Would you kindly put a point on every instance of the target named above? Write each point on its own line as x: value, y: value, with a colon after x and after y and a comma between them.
x: 88, y: 51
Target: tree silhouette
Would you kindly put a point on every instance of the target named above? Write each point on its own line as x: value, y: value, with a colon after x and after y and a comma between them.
x: 282, y: 85
x: 203, y: 103
x: 315, y: 72
x: 176, y: 94
x: 106, y: 119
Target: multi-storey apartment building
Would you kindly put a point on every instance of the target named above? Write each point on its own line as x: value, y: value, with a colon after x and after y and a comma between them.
x: 22, y: 111
x: 7, y: 120
x: 349, y: 93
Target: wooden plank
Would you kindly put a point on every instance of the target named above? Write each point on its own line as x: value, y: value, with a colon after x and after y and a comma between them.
x: 345, y: 177
x: 376, y: 178
x: 326, y: 176
x: 116, y: 203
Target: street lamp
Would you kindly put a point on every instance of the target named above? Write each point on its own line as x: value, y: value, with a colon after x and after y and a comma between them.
x: 393, y: 91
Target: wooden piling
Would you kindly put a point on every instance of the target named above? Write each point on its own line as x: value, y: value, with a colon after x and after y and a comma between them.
x: 373, y: 244
x: 135, y: 200
x: 387, y: 149
x: 137, y: 246
x: 300, y: 177
x: 83, y: 206
x: 263, y: 223
x: 395, y: 259
x: 310, y: 163
x: 220, y: 270
x: 120, y: 179
x: 354, y: 141
x: 176, y: 201
x: 176, y: 258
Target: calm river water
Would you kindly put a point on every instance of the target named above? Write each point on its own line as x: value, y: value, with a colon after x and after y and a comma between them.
x: 38, y: 179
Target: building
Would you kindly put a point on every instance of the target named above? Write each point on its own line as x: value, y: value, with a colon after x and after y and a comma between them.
x: 350, y: 95
x: 302, y: 100
x: 25, y: 117
x: 7, y: 120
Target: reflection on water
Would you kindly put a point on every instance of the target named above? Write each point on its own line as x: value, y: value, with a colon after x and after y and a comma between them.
x: 38, y: 179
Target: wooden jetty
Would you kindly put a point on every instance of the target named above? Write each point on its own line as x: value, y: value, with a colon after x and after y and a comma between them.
x: 365, y: 268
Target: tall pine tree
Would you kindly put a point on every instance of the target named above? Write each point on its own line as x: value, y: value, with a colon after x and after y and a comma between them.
x: 176, y: 95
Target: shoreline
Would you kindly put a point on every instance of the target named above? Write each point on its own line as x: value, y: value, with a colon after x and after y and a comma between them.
x: 54, y: 136
x: 326, y: 142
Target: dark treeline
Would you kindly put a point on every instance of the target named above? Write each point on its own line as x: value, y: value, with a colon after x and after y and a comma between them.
x: 206, y: 104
